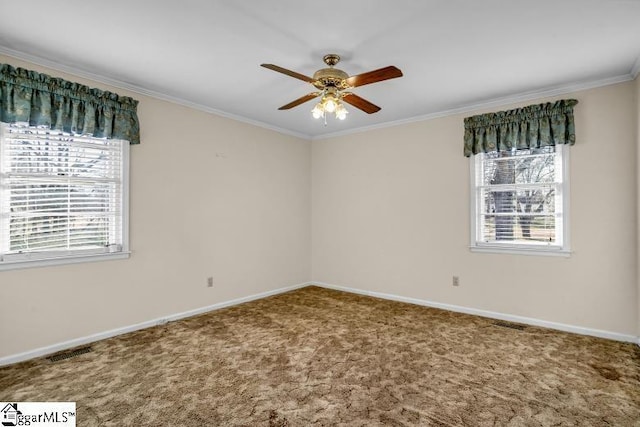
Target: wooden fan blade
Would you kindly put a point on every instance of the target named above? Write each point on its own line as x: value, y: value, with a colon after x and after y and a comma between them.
x: 301, y: 100
x: 374, y: 76
x: 288, y: 72
x: 361, y: 103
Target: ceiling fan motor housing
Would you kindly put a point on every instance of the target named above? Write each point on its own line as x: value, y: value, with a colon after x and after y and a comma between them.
x: 330, y: 77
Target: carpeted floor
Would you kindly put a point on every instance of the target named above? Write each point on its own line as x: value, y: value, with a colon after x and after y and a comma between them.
x: 326, y: 358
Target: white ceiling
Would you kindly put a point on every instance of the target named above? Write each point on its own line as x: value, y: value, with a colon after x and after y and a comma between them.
x: 454, y: 53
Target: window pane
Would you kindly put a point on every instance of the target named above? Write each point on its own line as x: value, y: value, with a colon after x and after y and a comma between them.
x: 519, y: 167
x: 519, y: 197
x: 516, y: 228
x: 538, y: 169
x: 59, y: 192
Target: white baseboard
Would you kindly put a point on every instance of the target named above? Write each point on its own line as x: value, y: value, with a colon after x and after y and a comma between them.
x: 490, y: 314
x: 54, y: 348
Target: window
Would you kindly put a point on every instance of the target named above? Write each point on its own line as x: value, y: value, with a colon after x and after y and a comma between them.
x: 63, y: 198
x: 520, y: 201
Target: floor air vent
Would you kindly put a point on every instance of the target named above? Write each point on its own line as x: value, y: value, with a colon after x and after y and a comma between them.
x: 510, y: 325
x: 69, y: 354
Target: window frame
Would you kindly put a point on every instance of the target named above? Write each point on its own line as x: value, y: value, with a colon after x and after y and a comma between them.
x: 514, y: 248
x: 44, y: 259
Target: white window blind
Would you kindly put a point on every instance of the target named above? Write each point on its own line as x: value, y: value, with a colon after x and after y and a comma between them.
x: 60, y: 195
x: 518, y: 199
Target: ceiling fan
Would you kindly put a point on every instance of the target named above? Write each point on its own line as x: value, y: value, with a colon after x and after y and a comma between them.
x: 334, y: 86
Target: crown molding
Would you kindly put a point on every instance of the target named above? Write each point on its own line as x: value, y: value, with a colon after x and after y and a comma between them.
x: 143, y: 91
x: 492, y: 103
x: 496, y: 102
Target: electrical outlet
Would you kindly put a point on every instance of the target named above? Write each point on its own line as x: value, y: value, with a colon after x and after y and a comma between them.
x: 456, y: 281
x: 209, y: 282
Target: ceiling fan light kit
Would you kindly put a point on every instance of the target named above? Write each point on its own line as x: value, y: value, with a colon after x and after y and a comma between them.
x: 334, y: 85
x: 330, y: 103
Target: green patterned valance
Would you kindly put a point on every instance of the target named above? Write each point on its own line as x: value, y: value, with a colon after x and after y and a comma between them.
x: 534, y: 126
x: 42, y: 100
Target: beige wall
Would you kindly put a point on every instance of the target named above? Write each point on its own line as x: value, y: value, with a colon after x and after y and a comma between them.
x: 391, y: 215
x: 384, y: 211
x: 209, y: 197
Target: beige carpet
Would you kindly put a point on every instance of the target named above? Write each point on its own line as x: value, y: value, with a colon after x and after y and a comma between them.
x: 316, y: 357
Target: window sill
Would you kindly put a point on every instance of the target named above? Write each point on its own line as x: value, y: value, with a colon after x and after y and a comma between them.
x: 76, y: 259
x: 521, y: 251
